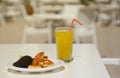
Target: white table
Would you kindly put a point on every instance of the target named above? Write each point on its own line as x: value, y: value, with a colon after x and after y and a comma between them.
x: 87, y: 62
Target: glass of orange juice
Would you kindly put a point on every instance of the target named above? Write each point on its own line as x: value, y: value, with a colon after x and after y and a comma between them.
x: 64, y: 42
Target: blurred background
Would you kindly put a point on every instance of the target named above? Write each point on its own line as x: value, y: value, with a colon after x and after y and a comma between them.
x: 34, y: 21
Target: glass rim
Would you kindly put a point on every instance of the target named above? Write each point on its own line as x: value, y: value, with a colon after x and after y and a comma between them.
x: 62, y: 28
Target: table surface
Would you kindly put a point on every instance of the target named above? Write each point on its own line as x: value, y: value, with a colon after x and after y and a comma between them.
x: 87, y: 62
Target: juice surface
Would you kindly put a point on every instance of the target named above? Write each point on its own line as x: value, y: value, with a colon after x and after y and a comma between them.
x: 64, y: 41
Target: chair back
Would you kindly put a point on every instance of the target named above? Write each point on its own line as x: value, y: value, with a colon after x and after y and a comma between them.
x: 69, y: 12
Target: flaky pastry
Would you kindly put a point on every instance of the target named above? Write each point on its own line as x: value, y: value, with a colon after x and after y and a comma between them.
x: 41, y: 61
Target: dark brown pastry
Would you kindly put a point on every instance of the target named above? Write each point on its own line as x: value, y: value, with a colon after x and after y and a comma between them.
x: 23, y: 62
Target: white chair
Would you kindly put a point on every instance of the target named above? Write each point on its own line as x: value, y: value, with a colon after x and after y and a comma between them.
x: 35, y: 25
x: 12, y: 9
x: 87, y: 17
x: 69, y: 12
x: 32, y: 30
x: 12, y: 12
x: 69, y: 1
x: 2, y: 21
x: 87, y: 30
x: 115, y: 6
x: 102, y: 1
x: 103, y: 19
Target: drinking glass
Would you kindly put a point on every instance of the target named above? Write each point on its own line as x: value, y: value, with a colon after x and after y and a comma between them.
x: 64, y: 43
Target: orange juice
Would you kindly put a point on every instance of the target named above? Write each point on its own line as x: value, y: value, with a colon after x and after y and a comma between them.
x: 64, y: 41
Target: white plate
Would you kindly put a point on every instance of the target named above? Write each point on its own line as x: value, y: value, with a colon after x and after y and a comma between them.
x: 58, y: 63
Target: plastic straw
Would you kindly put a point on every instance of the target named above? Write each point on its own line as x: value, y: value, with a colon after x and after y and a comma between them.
x: 71, y: 25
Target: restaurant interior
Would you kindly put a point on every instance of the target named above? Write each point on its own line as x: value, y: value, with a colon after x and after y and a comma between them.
x: 34, y: 22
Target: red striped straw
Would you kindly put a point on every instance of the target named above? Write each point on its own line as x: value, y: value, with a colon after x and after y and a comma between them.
x: 71, y: 25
